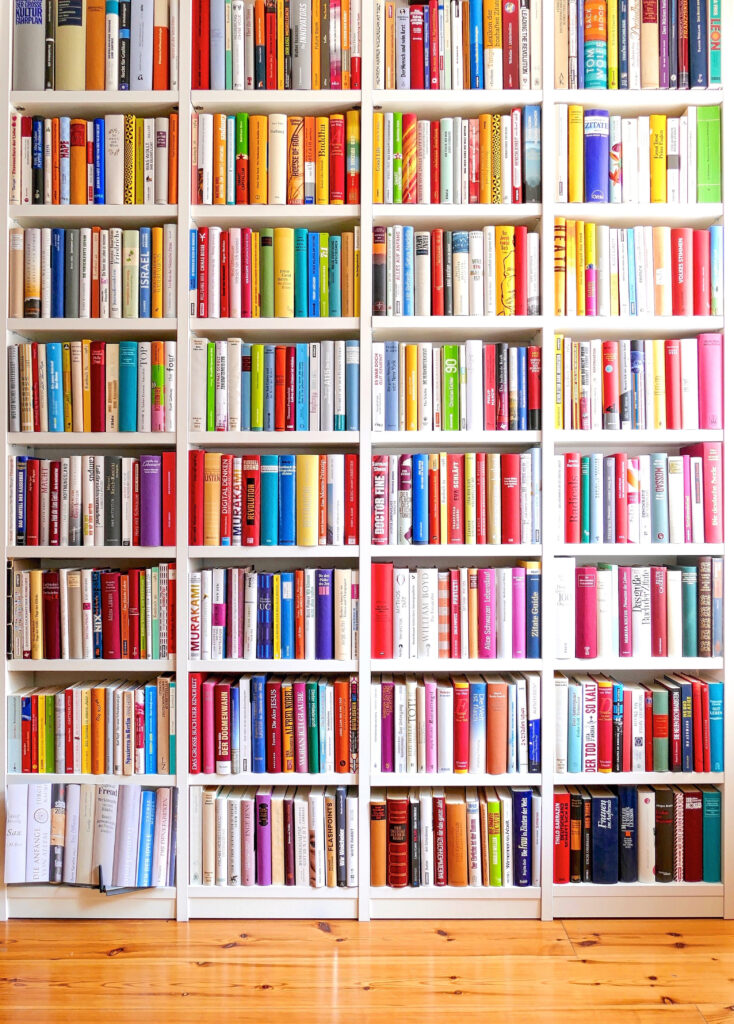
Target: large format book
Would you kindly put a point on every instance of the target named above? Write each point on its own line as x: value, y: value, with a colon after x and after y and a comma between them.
x: 29, y: 41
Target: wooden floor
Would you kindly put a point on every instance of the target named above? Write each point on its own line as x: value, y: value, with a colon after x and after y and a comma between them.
x: 570, y: 972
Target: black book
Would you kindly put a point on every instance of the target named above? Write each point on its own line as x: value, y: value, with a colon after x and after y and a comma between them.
x: 628, y: 833
x: 71, y: 276
x: 124, y: 44
x: 341, y: 836
x: 577, y: 822
x: 113, y: 499
x: 586, y: 849
x: 414, y: 842
x: 50, y: 48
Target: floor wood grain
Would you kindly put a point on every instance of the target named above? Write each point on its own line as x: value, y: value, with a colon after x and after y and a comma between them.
x: 571, y: 972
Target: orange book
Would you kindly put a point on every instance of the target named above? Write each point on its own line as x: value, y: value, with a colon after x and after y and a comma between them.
x: 97, y: 729
x: 378, y: 838
x: 456, y: 838
x: 347, y: 273
x: 315, y: 44
x: 389, y: 45
x: 55, y: 166
x: 341, y: 725
x: 280, y: 361
x: 346, y: 71
x: 288, y: 762
x: 173, y: 158
x: 124, y: 615
x: 78, y: 161
x: 212, y: 497
x: 95, y: 272
x: 465, y: 35
x: 219, y: 160
x: 496, y: 727
x: 300, y: 626
x: 258, y: 161
x: 485, y: 158
x: 156, y: 272
x: 95, y: 52
x: 295, y: 188
x: 160, y: 44
x: 309, y: 142
x: 322, y: 498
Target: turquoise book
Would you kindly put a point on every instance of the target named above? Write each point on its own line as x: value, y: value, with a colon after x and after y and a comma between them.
x: 352, y: 375
x: 711, y: 833
x: 287, y: 615
x: 689, y: 586
x: 300, y: 246
x: 716, y: 725
x: 54, y: 377
x: 145, y: 846
x: 302, y: 386
x: 269, y: 500
x: 335, y: 275
x: 575, y: 716
x: 128, y: 386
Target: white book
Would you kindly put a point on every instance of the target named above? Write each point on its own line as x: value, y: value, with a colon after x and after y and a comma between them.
x: 675, y: 612
x: 643, y: 159
x: 634, y: 23
x: 160, y: 183
x: 629, y: 160
x: 141, y: 45
x: 506, y: 157
x: 503, y: 583
x: 457, y: 150
x: 105, y: 821
x: 641, y: 612
x: 316, y: 835
x: 645, y: 500
x: 150, y: 144
x: 533, y: 274
x: 427, y: 612
x: 250, y: 50
x: 352, y: 837
x: 445, y: 727
x: 205, y: 157
x: 561, y: 195
x: 692, y: 155
x: 517, y: 724
x: 198, y: 388
x: 220, y: 836
x: 85, y: 272
x: 411, y: 696
x: 16, y: 831
x: 474, y: 846
x: 421, y: 725
x: 604, y: 614
x: 126, y: 836
x: 220, y: 384
x: 675, y: 500
x: 169, y: 270
x: 457, y: 68
x: 645, y: 834
x: 565, y: 606
x: 561, y: 756
x: 402, y: 44
x: 379, y: 42
x: 423, y: 176
x: 400, y: 740
x: 300, y: 831
x: 234, y: 838
x: 45, y: 275
x: 697, y: 501
x: 490, y: 275
x: 112, y: 48
x: 277, y: 159
x: 376, y: 726
x: 195, y: 834
x: 425, y: 797
x: 689, y: 383
x: 673, y: 160
x: 162, y: 836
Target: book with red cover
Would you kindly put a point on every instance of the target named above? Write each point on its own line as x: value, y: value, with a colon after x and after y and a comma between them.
x: 673, y: 407
x: 250, y: 500
x: 195, y: 680
x: 68, y: 732
x: 416, y: 47
x: 351, y: 499
x: 586, y: 627
x: 604, y: 718
x: 648, y: 731
x: 280, y: 387
x: 196, y: 497
x: 535, y: 418
x: 455, y: 496
x: 710, y: 453
x: 380, y: 503
x: 521, y: 269
x: 481, y: 498
x: 134, y: 612
x: 51, y: 615
x: 572, y: 472
x: 225, y: 512
x: 701, y: 267
x: 290, y: 387
x: 202, y: 266
x: 98, y: 385
x: 561, y: 837
x: 273, y: 726
x: 461, y: 725
x: 168, y: 533
x: 382, y: 610
x: 33, y: 502
x: 171, y: 608
x: 710, y: 381
x: 681, y: 247
x: 659, y: 610
x: 54, y: 503
x: 511, y: 526
x: 397, y: 837
x: 620, y: 501
x: 697, y: 686
x: 510, y: 45
x: 490, y: 386
x: 437, y: 292
x: 111, y: 615
x: 610, y: 383
x: 627, y: 730
x: 692, y: 834
x: 440, y: 850
x: 271, y: 45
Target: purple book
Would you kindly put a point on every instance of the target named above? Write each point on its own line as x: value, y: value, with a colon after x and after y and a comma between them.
x: 519, y: 639
x: 664, y: 70
x: 487, y: 609
x: 405, y: 498
x: 387, y: 715
x: 324, y: 614
x: 262, y: 817
x: 151, y: 478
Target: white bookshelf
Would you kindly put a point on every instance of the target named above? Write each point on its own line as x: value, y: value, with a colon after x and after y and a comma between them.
x: 545, y: 900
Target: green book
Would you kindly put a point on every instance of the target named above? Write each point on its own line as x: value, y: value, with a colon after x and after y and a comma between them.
x: 660, y: 714
x: 143, y: 619
x: 397, y: 158
x: 50, y: 700
x: 257, y: 387
x: 323, y: 273
x: 211, y: 376
x: 172, y: 728
x: 451, y: 411
x: 708, y: 154
x: 585, y: 497
x: 312, y: 724
x: 711, y: 833
x: 241, y: 149
x: 267, y: 291
x: 495, y: 841
x: 227, y: 44
x: 155, y: 611
x: 689, y: 588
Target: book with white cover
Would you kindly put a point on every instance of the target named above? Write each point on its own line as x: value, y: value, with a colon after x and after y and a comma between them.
x: 16, y: 832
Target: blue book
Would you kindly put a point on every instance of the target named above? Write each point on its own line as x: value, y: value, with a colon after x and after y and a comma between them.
x: 711, y: 833
x: 322, y: 724
x: 409, y: 268
x: 37, y: 157
x: 426, y: 49
x: 269, y: 500
x: 631, y: 270
x: 216, y: 44
x: 144, y: 273
x: 151, y: 729
x: 245, y: 385
x: 64, y: 161
x: 313, y: 274
x: 604, y: 836
x: 21, y: 476
x: 476, y: 45
x: 264, y: 639
x: 716, y: 725
x: 574, y: 727
x: 286, y: 500
x: 300, y: 272
x: 257, y: 706
x: 478, y: 717
x: 55, y: 385
x: 660, y: 524
x: 531, y: 152
x: 352, y: 375
x: 420, y: 499
x: 193, y: 277
x: 128, y: 386
x: 521, y: 844
x: 686, y: 724
x: 58, y: 251
x: 698, y: 44
x: 269, y: 387
x: 287, y: 614
x: 145, y: 843
x: 627, y: 834
x: 522, y: 388
x: 335, y: 275
x: 324, y: 614
x: 532, y: 612
x: 596, y: 156
x: 391, y: 385
x: 234, y: 727
x: 637, y: 369
x: 716, y: 239
x: 302, y: 384
x: 99, y: 166
x: 97, y: 612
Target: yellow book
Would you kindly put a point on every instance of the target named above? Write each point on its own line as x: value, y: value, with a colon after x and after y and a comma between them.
x: 612, y: 45
x: 378, y: 156
x: 295, y: 179
x: 283, y: 271
x: 256, y: 273
x: 346, y: 35
x: 212, y: 497
x: 559, y: 266
x: 492, y: 39
x: 86, y: 729
x: 658, y: 385
x: 139, y: 160
x: 36, y: 581
x: 219, y: 159
x: 590, y: 264
x: 256, y: 386
x: 575, y: 153
x: 575, y: 374
x: 143, y: 618
x: 307, y: 500
x: 129, y: 160
x: 258, y: 159
x: 494, y: 498
x: 97, y: 710
x: 485, y: 155
x: 87, y: 383
x: 66, y: 384
x: 580, y: 270
x: 470, y: 498
x: 322, y: 161
x: 570, y: 265
x: 505, y: 260
x: 496, y: 158
x: 411, y: 387
x: 390, y: 14
x: 276, y: 615
x: 443, y: 493
x: 658, y: 171
x: 280, y: 37
x: 315, y: 44
x: 473, y: 604
x: 41, y: 715
x: 434, y: 466
x: 558, y: 366
x: 357, y: 268
x: 156, y: 272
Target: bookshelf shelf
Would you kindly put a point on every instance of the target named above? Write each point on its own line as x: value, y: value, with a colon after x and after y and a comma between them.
x: 97, y: 780
x: 637, y: 778
x: 410, y: 779
x: 640, y: 101
x: 61, y: 326
x: 427, y: 552
x: 302, y: 439
x: 452, y: 666
x: 50, y: 439
x: 638, y: 664
x: 627, y: 551
x: 434, y: 328
x: 92, y: 104
x: 420, y: 439
x: 280, y: 665
x: 442, y: 102
x: 239, y: 553
x: 695, y: 215
x: 440, y: 214
x: 636, y: 326
x: 296, y: 101
x: 325, y: 217
x: 634, y: 438
x: 275, y: 779
x: 52, y: 215
x: 100, y: 666
x: 316, y: 326
x: 115, y: 551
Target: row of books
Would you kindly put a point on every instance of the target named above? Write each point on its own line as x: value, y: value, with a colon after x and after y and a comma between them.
x: 274, y: 835
x: 111, y: 727
x: 294, y: 614
x: 461, y: 44
x: 493, y: 158
x: 130, y: 46
x: 472, y: 724
x: 673, y: 724
x: 105, y: 273
x: 647, y: 499
x: 618, y: 44
x: 88, y: 386
x: 272, y: 724
x: 639, y: 611
x: 473, y: 837
x: 86, y: 500
x: 275, y: 159
x: 476, y: 385
x: 273, y: 500
x: 111, y: 836
x: 251, y: 44
x: 274, y: 272
x: 639, y: 384
x: 643, y: 834
x: 92, y: 613
x: 490, y: 612
x: 494, y: 271
x: 603, y: 158
x: 454, y: 498
x: 637, y: 271
x: 311, y: 385
x: 116, y: 159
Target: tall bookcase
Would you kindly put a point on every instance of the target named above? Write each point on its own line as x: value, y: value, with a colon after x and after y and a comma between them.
x: 546, y: 900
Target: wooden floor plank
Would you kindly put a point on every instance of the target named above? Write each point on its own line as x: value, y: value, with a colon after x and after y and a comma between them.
x: 717, y: 1014
x: 629, y: 939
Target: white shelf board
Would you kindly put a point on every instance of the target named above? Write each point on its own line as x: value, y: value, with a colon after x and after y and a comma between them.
x: 426, y: 552
x: 637, y: 778
x: 97, y: 780
x: 91, y: 213
x: 80, y: 104
x: 100, y: 666
x: 698, y: 215
x: 312, y: 326
x: 274, y: 779
x: 635, y: 326
x: 272, y: 902
x: 437, y: 102
x: 60, y: 439
x: 281, y: 101
x: 640, y: 101
x: 454, y: 666
x: 440, y: 214
x: 274, y: 438
x: 452, y: 326
x: 627, y: 551
x: 292, y: 553
x: 265, y: 665
x: 420, y: 439
x: 67, y: 902
x: 637, y: 664
x: 92, y: 326
x: 462, y: 779
x: 115, y: 551
x: 323, y: 217
x: 624, y: 439
x: 448, y: 893
x: 638, y: 900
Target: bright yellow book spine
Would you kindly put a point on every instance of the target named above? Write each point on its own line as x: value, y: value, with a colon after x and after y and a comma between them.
x: 307, y: 500
x: 219, y: 159
x: 212, y: 497
x: 612, y: 45
x: 283, y: 271
x: 36, y: 613
x: 378, y: 156
x: 411, y: 387
x: 86, y: 717
x: 41, y: 702
x: 66, y: 384
x: 256, y: 388
x: 580, y: 270
x: 256, y: 273
x: 570, y: 265
x: 156, y: 273
x: 575, y: 385
x: 87, y: 383
x: 276, y: 615
x: 658, y: 385
x: 470, y: 498
x: 389, y: 48
x: 559, y: 266
x: 315, y: 44
x: 443, y: 485
x: 496, y: 150
x: 129, y: 160
x: 559, y: 376
x: 590, y: 258
x: 434, y: 466
x: 357, y: 268
x: 658, y: 171
x: 280, y: 28
x: 575, y: 153
x: 322, y: 161
x: 505, y: 260
x: 258, y: 159
x: 346, y: 29
x: 485, y: 158
x: 139, y: 160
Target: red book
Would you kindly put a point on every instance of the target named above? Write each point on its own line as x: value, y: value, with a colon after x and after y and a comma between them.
x: 604, y: 715
x: 271, y: 45
x: 280, y: 387
x: 585, y: 612
x: 437, y: 272
x: 681, y: 250
x: 125, y: 619
x: 33, y: 502
x: 34, y: 733
x: 337, y: 169
x: 51, y: 614
x: 627, y: 731
x: 36, y: 394
x: 610, y: 383
x: 382, y: 635
x: 168, y: 465
x: 510, y: 46
x: 561, y: 837
x: 356, y: 68
x: 648, y: 731
x: 461, y: 726
x: 98, y: 385
x: 134, y: 611
x: 534, y: 399
x: 713, y: 492
x: 572, y: 472
x: 683, y: 66
x: 222, y: 733
x: 225, y: 512
x: 196, y: 497
x: 455, y: 611
x: 697, y: 687
x: 620, y: 504
x: 380, y: 503
x: 490, y: 386
x: 455, y: 495
x: 625, y: 611
x: 701, y: 272
x: 433, y: 55
x: 224, y: 274
x: 136, y: 503
x: 195, y: 680
x: 659, y: 610
x: 290, y: 387
x: 398, y: 857
x: 351, y: 499
x: 68, y: 732
x: 440, y: 851
x: 434, y: 504
x: 692, y: 834
x: 416, y: 47
x: 273, y: 734
x: 54, y: 504
x: 510, y: 463
x: 250, y: 500
x: 435, y: 161
x: 481, y: 498
x: 111, y: 647
x: 202, y: 266
x: 673, y: 410
x: 521, y: 269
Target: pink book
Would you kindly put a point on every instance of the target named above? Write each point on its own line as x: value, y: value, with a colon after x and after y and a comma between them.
x: 335, y: 60
x: 586, y: 612
x: 235, y: 272
x: 431, y: 725
x: 207, y: 725
x: 247, y: 272
x: 710, y: 378
x: 687, y: 511
x: 591, y: 290
x: 299, y: 723
x: 625, y: 610
x: 487, y: 610
x: 519, y: 633
x: 247, y: 828
x: 713, y: 492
